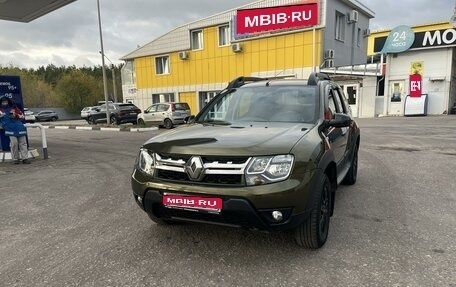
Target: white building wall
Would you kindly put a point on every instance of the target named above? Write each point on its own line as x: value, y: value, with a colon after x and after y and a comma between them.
x: 368, y: 97
x: 437, y: 65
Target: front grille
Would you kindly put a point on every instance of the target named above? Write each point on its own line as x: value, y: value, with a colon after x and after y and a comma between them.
x: 225, y: 160
x: 225, y: 217
x: 172, y: 175
x: 226, y: 179
x: 214, y: 170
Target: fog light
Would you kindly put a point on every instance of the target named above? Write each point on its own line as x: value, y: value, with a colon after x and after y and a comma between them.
x: 277, y: 215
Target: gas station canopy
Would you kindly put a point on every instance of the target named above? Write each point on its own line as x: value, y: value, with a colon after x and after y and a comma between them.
x: 28, y: 10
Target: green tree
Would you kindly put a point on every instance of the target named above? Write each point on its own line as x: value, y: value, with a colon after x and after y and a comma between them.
x: 77, y: 90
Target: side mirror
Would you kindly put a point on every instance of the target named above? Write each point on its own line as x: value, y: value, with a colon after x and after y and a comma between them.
x: 146, y: 112
x: 339, y: 121
x: 189, y: 119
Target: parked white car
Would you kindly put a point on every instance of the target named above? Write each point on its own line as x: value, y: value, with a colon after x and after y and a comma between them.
x: 85, y: 112
x: 165, y: 114
x: 29, y: 116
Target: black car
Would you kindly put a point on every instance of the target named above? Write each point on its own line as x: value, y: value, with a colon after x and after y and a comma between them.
x: 120, y: 113
x: 46, y: 115
x: 264, y: 154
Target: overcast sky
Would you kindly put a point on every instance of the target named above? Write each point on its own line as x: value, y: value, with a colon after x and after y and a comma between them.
x: 69, y: 36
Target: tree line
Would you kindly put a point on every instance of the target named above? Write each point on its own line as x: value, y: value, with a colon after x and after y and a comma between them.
x: 72, y: 88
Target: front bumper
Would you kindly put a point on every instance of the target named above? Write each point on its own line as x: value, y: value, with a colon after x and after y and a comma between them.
x: 246, y: 207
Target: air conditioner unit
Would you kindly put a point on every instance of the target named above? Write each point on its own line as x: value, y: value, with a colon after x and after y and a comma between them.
x: 183, y: 55
x: 328, y: 64
x: 353, y: 17
x: 236, y: 47
x: 329, y: 54
x: 366, y: 33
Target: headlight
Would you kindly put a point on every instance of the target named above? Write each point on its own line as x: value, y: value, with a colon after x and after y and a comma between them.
x: 269, y: 169
x: 146, y: 162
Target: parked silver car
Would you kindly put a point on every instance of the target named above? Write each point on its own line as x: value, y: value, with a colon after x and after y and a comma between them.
x: 85, y: 112
x: 165, y: 114
x: 46, y: 115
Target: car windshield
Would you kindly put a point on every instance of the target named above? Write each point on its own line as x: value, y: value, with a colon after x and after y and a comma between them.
x: 296, y: 104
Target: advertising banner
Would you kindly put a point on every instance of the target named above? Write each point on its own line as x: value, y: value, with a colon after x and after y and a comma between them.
x: 416, y: 82
x: 415, y: 85
x: 10, y: 86
x: 400, y: 39
x: 262, y: 20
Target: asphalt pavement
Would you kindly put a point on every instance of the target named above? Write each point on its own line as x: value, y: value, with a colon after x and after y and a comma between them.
x: 71, y: 220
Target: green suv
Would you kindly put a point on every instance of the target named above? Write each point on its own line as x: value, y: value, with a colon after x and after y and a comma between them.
x: 264, y: 154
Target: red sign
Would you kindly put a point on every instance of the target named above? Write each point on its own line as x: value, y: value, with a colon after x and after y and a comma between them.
x: 415, y: 85
x: 193, y: 202
x: 275, y: 18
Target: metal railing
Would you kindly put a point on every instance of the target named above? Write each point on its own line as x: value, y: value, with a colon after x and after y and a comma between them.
x: 43, y: 138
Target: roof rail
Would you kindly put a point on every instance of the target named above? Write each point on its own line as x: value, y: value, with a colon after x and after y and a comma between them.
x: 240, y: 81
x: 314, y: 78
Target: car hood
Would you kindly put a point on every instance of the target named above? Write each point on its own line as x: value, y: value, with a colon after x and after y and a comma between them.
x: 240, y: 140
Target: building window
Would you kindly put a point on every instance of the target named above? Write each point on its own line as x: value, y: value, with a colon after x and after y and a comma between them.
x: 128, y: 73
x: 397, y: 90
x: 162, y: 65
x: 224, y: 35
x: 163, y: 98
x: 197, y: 39
x: 205, y: 98
x: 340, y: 26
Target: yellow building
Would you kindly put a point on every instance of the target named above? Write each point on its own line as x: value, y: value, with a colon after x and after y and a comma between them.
x: 194, y: 61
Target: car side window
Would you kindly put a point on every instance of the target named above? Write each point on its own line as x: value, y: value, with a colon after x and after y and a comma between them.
x: 344, y: 101
x: 162, y: 108
x: 152, y: 109
x: 340, y: 107
x: 333, y: 105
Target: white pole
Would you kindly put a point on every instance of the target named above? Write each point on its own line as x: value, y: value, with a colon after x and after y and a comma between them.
x: 313, y: 51
x: 105, y: 84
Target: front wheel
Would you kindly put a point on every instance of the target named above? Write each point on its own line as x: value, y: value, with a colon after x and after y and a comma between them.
x: 53, y: 119
x: 141, y: 122
x: 313, y: 232
x: 113, y: 120
x: 91, y: 121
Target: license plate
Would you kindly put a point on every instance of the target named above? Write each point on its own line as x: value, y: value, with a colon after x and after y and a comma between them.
x: 197, y: 203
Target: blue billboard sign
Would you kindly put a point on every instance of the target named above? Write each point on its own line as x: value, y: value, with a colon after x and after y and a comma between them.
x: 10, y: 86
x: 400, y: 39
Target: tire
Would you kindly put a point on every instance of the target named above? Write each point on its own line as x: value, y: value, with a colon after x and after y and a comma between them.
x: 141, y: 122
x: 352, y: 173
x: 313, y: 232
x: 91, y: 121
x: 168, y: 124
x: 113, y: 120
x: 53, y: 119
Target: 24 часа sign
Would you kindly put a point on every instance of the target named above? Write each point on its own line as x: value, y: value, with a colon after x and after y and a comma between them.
x: 428, y: 39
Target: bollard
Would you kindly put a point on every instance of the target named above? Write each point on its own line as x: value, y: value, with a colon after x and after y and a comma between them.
x: 43, y: 137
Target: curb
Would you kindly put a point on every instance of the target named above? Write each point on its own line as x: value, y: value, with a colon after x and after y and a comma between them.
x: 102, y: 129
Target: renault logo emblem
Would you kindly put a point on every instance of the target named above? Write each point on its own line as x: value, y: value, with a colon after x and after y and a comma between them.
x: 194, y: 168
